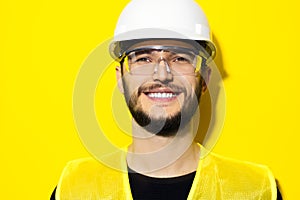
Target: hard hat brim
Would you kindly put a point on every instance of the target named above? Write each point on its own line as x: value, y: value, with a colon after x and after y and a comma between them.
x: 123, y: 41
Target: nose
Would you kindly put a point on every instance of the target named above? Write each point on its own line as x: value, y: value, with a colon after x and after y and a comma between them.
x: 162, y: 71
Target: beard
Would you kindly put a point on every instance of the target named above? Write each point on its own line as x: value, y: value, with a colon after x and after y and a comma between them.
x: 166, y: 126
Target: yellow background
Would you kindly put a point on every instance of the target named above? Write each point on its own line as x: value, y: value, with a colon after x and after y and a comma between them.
x: 43, y: 44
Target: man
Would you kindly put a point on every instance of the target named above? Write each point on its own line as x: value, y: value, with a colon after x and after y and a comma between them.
x: 164, y: 57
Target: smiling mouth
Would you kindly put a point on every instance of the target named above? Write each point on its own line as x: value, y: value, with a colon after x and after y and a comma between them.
x: 161, y: 95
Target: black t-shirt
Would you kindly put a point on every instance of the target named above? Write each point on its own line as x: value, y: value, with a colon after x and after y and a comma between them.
x: 146, y: 188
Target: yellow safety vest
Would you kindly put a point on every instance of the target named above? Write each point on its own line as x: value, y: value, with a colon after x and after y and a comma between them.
x: 217, y: 177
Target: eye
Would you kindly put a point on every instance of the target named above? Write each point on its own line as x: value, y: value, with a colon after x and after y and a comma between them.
x: 142, y: 60
x: 182, y: 60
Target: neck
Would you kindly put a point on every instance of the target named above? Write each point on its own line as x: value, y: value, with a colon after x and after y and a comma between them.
x: 160, y: 156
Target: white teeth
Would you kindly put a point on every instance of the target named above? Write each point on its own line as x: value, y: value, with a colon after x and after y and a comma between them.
x: 162, y: 95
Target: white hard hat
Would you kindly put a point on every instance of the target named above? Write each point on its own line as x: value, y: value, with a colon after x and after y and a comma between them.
x: 171, y: 19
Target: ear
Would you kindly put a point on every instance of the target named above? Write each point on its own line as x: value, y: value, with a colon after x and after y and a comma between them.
x: 205, y: 79
x: 119, y: 79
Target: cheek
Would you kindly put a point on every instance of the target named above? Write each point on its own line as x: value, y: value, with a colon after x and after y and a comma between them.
x: 132, y: 83
x: 192, y: 85
x: 130, y: 88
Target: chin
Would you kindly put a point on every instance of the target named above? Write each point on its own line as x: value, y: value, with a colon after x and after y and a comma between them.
x: 159, y: 125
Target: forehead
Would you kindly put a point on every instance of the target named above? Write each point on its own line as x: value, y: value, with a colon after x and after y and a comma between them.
x: 154, y: 42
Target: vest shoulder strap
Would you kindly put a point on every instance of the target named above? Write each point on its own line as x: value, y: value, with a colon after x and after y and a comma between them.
x: 219, y: 177
x: 87, y: 178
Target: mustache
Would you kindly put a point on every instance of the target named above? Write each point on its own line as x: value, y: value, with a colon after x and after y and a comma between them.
x: 173, y: 87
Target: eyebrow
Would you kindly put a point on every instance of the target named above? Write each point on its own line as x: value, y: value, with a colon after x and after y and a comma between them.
x: 177, y: 51
x: 140, y: 52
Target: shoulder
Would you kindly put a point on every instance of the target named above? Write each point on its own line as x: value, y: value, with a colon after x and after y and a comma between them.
x: 87, y: 169
x: 106, y: 163
x: 238, y: 166
x: 89, y: 178
x: 240, y: 177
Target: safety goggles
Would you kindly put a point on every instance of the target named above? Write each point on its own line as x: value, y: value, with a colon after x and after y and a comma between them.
x: 176, y: 60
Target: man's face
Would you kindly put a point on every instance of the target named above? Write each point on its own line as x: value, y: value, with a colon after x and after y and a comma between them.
x: 162, y: 102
